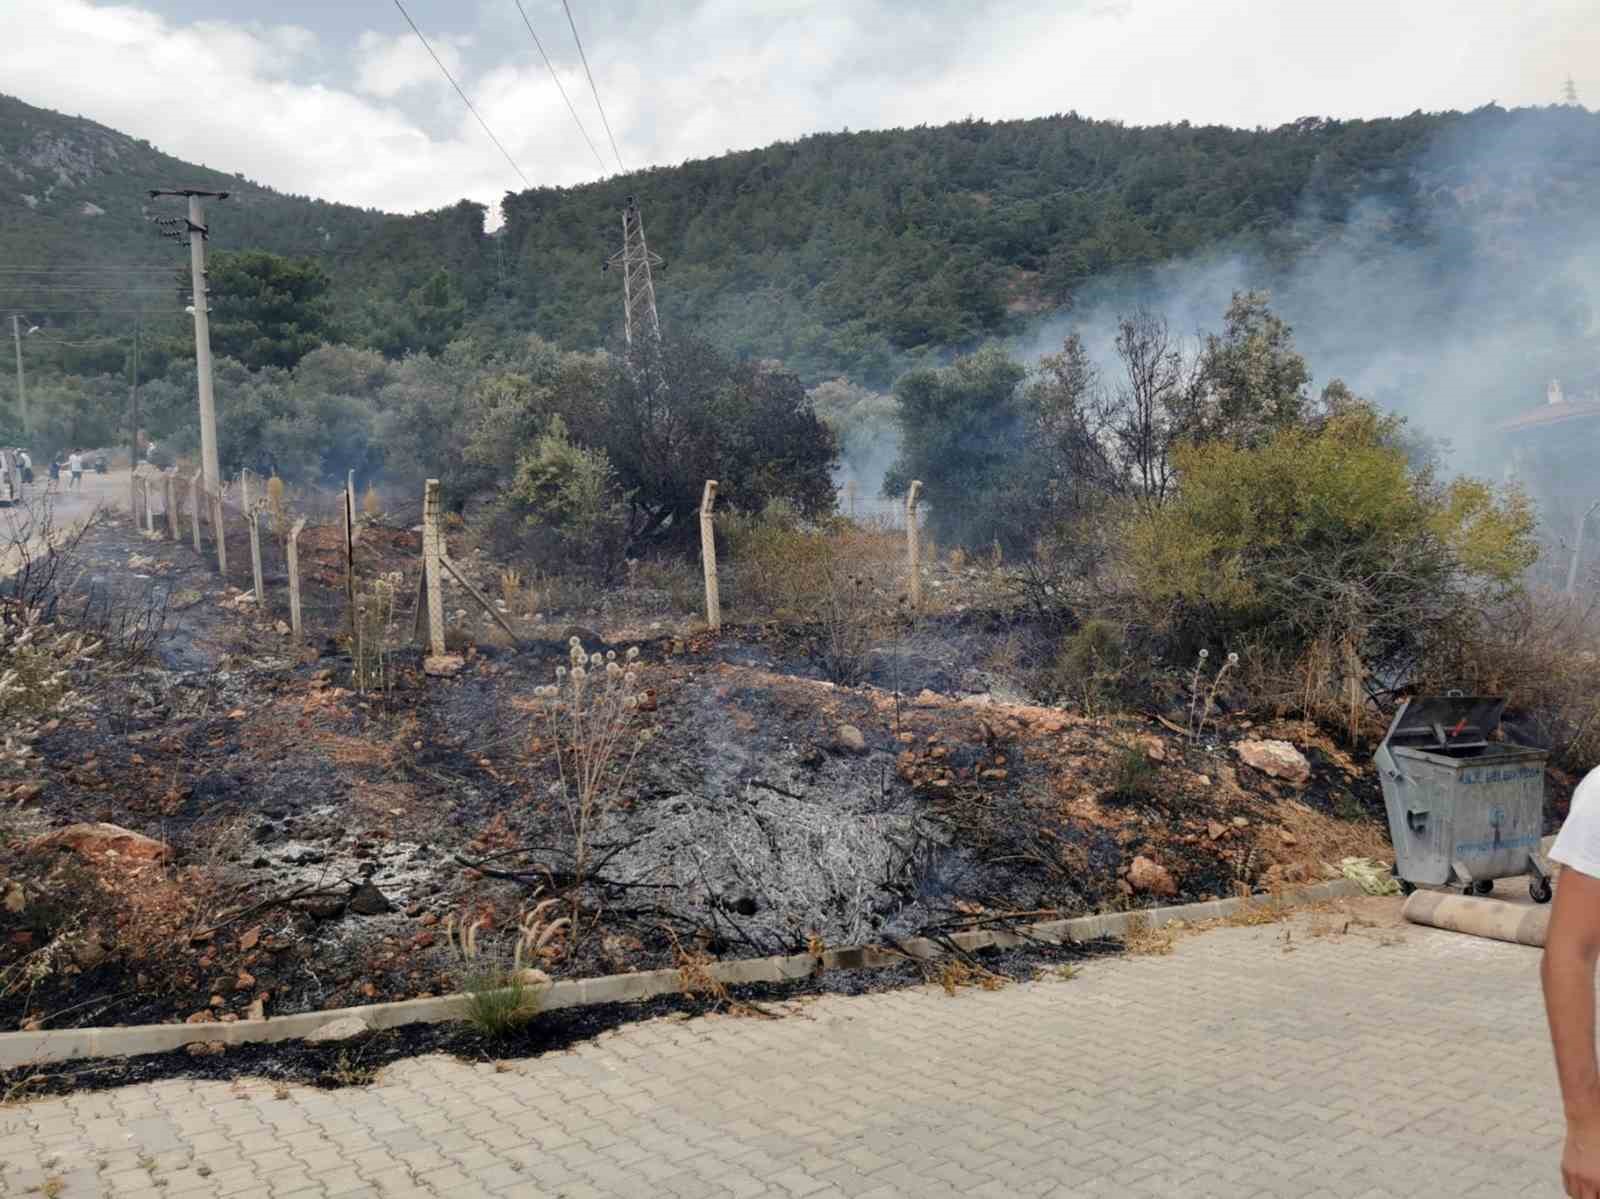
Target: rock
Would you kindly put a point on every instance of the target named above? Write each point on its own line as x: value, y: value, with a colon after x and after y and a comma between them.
x: 1153, y: 748
x: 430, y: 919
x: 245, y: 982
x: 443, y: 666
x: 423, y: 940
x: 341, y: 1029
x: 1287, y: 837
x: 257, y: 1009
x: 205, y: 1049
x: 1203, y: 780
x: 24, y: 793
x: 849, y: 739
x: 101, y: 841
x: 1278, y: 759
x: 1150, y: 878
x: 927, y: 699
x: 250, y: 939
x: 534, y: 978
x: 282, y: 628
x: 14, y: 898
x: 367, y: 900
x: 321, y: 907
x: 1215, y: 830
x: 1240, y: 822
x: 201, y: 1017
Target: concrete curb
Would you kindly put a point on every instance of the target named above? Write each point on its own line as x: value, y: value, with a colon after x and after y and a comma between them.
x: 40, y: 1048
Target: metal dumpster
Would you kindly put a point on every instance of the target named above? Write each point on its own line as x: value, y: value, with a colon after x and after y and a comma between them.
x: 1462, y: 809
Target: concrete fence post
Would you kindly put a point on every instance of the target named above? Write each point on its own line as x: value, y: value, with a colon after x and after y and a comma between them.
x: 194, y: 508
x: 432, y: 566
x: 292, y: 553
x: 913, y: 565
x: 708, y: 555
x: 149, y: 510
x: 253, y: 516
x: 169, y: 495
x: 219, y: 530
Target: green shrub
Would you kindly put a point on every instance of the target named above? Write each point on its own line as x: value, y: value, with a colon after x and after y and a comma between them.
x: 1133, y: 777
x: 1323, y: 538
x: 571, y: 494
x: 1090, y: 667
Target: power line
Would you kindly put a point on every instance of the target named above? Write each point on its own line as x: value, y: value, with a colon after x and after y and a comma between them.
x: 461, y: 93
x: 584, y: 58
x: 562, y: 90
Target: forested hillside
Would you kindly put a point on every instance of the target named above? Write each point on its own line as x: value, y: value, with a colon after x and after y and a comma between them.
x: 842, y: 253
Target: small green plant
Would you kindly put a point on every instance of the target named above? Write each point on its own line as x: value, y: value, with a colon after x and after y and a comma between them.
x: 499, y: 1002
x: 1090, y: 667
x: 1133, y: 775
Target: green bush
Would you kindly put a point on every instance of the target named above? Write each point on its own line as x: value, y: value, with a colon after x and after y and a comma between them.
x: 572, y: 493
x: 1133, y: 777
x: 1323, y: 538
x: 1090, y: 667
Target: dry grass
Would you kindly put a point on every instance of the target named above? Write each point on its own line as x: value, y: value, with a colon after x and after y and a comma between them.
x: 1142, y: 939
x: 955, y: 973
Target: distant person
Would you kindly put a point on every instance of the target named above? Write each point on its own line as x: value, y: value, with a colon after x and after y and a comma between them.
x: 75, y: 469
x: 26, y: 463
x: 55, y: 468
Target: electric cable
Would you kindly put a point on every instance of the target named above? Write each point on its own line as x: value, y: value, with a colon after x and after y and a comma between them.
x: 584, y: 58
x: 570, y: 107
x: 462, y: 94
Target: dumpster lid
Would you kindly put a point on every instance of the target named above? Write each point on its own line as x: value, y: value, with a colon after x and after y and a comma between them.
x: 1446, y: 721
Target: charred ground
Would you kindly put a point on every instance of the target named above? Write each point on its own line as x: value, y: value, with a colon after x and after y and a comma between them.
x: 317, y: 847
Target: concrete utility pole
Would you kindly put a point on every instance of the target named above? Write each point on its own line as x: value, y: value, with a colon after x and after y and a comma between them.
x: 638, y: 288
x: 1577, y: 549
x: 202, y: 328
x: 22, y: 396
x: 133, y: 416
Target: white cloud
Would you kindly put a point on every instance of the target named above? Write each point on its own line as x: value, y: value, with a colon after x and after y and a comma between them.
x: 369, y: 121
x: 387, y: 66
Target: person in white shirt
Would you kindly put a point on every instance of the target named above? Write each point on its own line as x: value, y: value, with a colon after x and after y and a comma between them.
x: 1571, y: 950
x: 75, y: 469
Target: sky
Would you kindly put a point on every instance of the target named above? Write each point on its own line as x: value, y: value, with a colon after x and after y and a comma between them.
x: 339, y: 100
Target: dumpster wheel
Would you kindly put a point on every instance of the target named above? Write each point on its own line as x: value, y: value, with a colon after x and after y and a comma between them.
x: 1482, y: 886
x: 1539, y: 890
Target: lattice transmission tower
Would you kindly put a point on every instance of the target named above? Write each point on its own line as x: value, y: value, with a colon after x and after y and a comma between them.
x: 638, y: 288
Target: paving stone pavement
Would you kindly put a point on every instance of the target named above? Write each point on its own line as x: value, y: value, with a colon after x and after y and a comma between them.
x: 1293, y: 1059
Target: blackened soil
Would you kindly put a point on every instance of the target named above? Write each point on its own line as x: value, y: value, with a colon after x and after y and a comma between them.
x: 355, y: 1061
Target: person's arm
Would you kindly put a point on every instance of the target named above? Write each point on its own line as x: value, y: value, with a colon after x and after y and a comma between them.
x: 1572, y: 948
